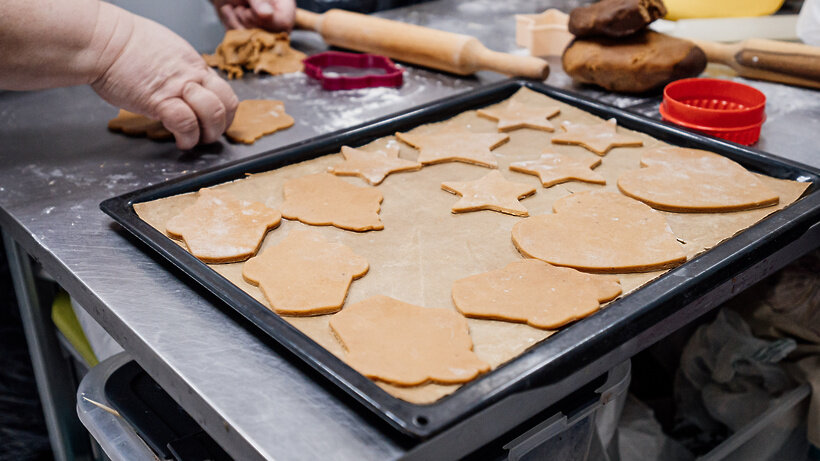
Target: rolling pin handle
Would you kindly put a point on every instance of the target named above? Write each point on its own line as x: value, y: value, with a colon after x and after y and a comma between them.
x: 307, y: 20
x: 517, y: 66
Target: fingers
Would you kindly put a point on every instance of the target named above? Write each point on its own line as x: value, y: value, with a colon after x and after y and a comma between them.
x: 179, y: 119
x: 284, y: 14
x: 209, y: 111
x: 228, y: 16
x: 262, y: 9
x: 246, y: 17
x: 224, y: 92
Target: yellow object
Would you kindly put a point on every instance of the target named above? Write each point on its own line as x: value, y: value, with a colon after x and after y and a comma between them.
x: 687, y: 9
x: 64, y: 319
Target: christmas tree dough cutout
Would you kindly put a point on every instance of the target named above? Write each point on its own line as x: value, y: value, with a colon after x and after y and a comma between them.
x: 324, y: 200
x: 133, y: 124
x: 598, y: 138
x: 600, y: 232
x: 553, y: 168
x: 218, y: 228
x: 374, y: 166
x: 305, y: 274
x: 679, y: 179
x: 491, y: 192
x: 515, y: 115
x: 455, y: 145
x: 256, y: 118
x: 406, y: 345
x: 534, y: 292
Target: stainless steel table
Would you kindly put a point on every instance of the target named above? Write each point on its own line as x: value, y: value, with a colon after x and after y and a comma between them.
x: 59, y: 162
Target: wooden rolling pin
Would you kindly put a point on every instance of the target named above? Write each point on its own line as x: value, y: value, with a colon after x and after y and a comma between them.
x: 782, y: 62
x: 455, y: 53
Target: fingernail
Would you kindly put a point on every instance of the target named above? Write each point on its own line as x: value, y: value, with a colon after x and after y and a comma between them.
x: 265, y: 9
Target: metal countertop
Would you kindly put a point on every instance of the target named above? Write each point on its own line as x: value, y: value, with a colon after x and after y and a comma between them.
x: 60, y: 162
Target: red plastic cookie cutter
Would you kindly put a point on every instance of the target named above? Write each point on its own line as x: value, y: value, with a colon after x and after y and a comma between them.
x: 316, y: 64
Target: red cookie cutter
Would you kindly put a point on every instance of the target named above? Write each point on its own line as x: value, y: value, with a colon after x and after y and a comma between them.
x: 315, y: 65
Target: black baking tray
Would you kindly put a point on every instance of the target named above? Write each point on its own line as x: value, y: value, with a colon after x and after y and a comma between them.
x: 562, y: 354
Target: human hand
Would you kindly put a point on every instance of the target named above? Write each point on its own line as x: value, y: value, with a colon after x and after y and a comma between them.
x: 272, y: 15
x: 147, y: 69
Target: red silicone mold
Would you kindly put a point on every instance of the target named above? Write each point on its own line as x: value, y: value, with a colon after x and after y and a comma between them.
x: 315, y: 65
x: 722, y: 108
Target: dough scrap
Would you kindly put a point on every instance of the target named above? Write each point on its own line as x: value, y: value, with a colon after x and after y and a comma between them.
x: 138, y: 125
x: 257, y: 50
x: 600, y: 231
x: 534, y: 292
x: 407, y: 345
x: 455, y: 145
x: 491, y: 192
x: 256, y: 118
x: 304, y: 274
x: 324, y: 200
x: 553, y: 168
x: 598, y: 138
x: 371, y: 166
x: 218, y: 228
x: 680, y: 179
x: 515, y: 115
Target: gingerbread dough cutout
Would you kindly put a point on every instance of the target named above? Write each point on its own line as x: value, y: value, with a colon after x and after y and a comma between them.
x: 373, y: 167
x: 455, y: 145
x: 515, y: 115
x: 491, y: 192
x: 407, y: 345
x: 304, y: 274
x: 534, y: 292
x: 552, y: 168
x: 218, y: 228
x: 600, y: 232
x: 137, y: 125
x: 256, y: 118
x: 325, y: 200
x: 598, y: 138
x: 679, y: 179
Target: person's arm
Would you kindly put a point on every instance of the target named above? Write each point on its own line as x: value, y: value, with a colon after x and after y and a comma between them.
x: 130, y: 61
x: 272, y: 15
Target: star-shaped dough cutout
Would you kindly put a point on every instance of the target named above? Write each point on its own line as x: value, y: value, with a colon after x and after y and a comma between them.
x: 553, y: 168
x: 326, y: 200
x: 305, y: 274
x: 598, y: 138
x: 455, y: 145
x: 373, y: 167
x: 492, y: 192
x: 219, y: 228
x: 515, y: 115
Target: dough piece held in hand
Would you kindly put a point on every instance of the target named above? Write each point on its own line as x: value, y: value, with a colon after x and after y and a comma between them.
x: 373, y: 167
x: 256, y: 118
x: 515, y: 115
x: 406, y: 345
x: 679, y: 179
x: 455, y: 145
x: 600, y: 232
x: 325, y: 200
x: 534, y: 292
x: 491, y: 192
x: 257, y: 50
x: 218, y: 228
x: 553, y: 168
x: 614, y: 18
x: 137, y: 125
x: 598, y: 138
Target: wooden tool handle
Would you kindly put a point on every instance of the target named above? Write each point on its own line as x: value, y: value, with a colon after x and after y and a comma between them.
x: 447, y: 51
x: 790, y: 63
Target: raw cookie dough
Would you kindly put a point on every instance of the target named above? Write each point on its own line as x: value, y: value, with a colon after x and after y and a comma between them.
x: 534, y: 292
x: 256, y: 118
x: 137, y: 125
x: 491, y: 192
x: 455, y: 145
x: 407, y: 345
x: 679, y: 179
x: 614, y: 18
x: 257, y: 50
x: 598, y: 138
x: 304, y: 274
x: 515, y: 115
x: 218, y: 228
x: 372, y: 166
x: 325, y: 200
x: 553, y: 168
x: 600, y: 232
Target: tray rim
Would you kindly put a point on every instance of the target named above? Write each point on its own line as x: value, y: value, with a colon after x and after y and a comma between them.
x: 538, y: 364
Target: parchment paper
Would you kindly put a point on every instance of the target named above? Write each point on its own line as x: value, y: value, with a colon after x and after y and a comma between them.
x: 424, y: 248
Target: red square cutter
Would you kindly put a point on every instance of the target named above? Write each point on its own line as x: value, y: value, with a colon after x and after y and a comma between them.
x: 315, y: 65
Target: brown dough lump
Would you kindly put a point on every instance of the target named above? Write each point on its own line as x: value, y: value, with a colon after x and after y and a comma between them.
x: 614, y: 18
x: 256, y: 50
